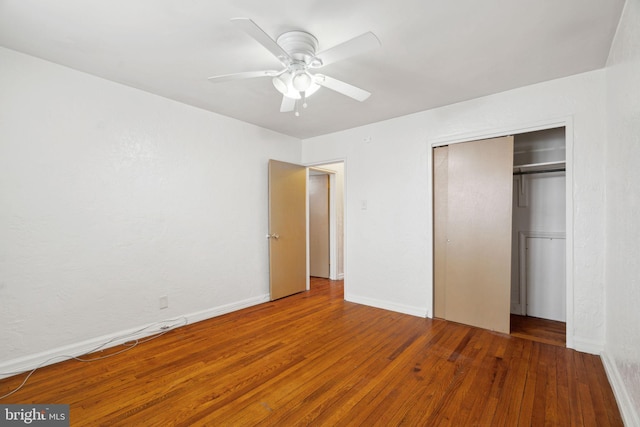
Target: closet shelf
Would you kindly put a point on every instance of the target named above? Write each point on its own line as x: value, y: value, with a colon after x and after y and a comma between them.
x: 531, y: 168
x: 545, y: 165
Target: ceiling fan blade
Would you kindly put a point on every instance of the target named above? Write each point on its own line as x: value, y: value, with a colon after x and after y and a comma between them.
x: 357, y: 45
x: 245, y: 75
x: 288, y: 104
x: 342, y: 87
x: 252, y: 29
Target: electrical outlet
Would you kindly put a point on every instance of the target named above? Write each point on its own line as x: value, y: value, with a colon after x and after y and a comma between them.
x: 164, y: 302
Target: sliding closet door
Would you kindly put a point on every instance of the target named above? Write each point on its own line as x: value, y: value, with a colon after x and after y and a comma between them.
x: 477, y: 261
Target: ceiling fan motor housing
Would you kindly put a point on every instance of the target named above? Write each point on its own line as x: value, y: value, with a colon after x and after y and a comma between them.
x: 300, y: 45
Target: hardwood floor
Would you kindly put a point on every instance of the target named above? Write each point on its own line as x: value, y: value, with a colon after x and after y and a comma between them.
x: 314, y: 359
x: 541, y: 330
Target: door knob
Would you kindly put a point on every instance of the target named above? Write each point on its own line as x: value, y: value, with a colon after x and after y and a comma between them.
x: 274, y: 235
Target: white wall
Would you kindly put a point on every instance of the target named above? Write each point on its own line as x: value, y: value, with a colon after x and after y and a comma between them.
x: 389, y: 244
x: 622, y: 214
x: 110, y: 198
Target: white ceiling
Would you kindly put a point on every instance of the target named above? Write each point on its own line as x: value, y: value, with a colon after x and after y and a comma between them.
x: 434, y: 52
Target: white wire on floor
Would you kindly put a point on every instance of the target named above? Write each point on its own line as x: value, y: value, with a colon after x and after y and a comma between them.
x: 163, y: 327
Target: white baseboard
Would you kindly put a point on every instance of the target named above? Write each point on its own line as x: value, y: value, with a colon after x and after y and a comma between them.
x: 340, y: 276
x: 629, y: 412
x: 228, y: 308
x: 386, y: 305
x: 38, y: 360
x: 585, y: 345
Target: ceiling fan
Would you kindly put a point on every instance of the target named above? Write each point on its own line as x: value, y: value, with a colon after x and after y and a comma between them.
x: 296, y: 50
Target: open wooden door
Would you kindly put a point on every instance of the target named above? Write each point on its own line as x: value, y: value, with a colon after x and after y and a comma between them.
x: 287, y: 229
x: 477, y: 248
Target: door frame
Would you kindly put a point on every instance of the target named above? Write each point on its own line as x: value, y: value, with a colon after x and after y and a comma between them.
x: 333, y: 229
x: 332, y: 220
x: 567, y: 123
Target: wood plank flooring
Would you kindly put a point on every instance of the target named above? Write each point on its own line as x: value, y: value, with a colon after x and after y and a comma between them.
x: 541, y: 330
x: 314, y: 359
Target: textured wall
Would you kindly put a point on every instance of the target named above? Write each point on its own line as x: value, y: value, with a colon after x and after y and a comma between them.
x: 623, y: 208
x: 389, y: 243
x: 111, y: 197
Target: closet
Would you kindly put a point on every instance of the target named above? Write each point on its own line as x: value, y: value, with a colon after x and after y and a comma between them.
x: 499, y: 229
x: 539, y: 226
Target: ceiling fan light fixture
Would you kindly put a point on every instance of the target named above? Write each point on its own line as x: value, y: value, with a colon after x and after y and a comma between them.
x: 281, y: 83
x: 301, y: 81
x: 286, y: 85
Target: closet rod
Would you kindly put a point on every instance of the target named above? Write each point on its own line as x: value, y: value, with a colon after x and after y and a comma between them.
x: 540, y: 171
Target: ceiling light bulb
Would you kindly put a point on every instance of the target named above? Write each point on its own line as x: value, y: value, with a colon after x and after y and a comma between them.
x: 284, y: 84
x: 301, y: 81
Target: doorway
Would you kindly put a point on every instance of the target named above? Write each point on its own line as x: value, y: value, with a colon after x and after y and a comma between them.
x: 319, y: 190
x: 288, y: 233
x: 538, y: 271
x: 327, y: 180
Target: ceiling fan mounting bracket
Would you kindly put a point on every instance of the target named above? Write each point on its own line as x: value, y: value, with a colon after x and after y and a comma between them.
x: 300, y: 45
